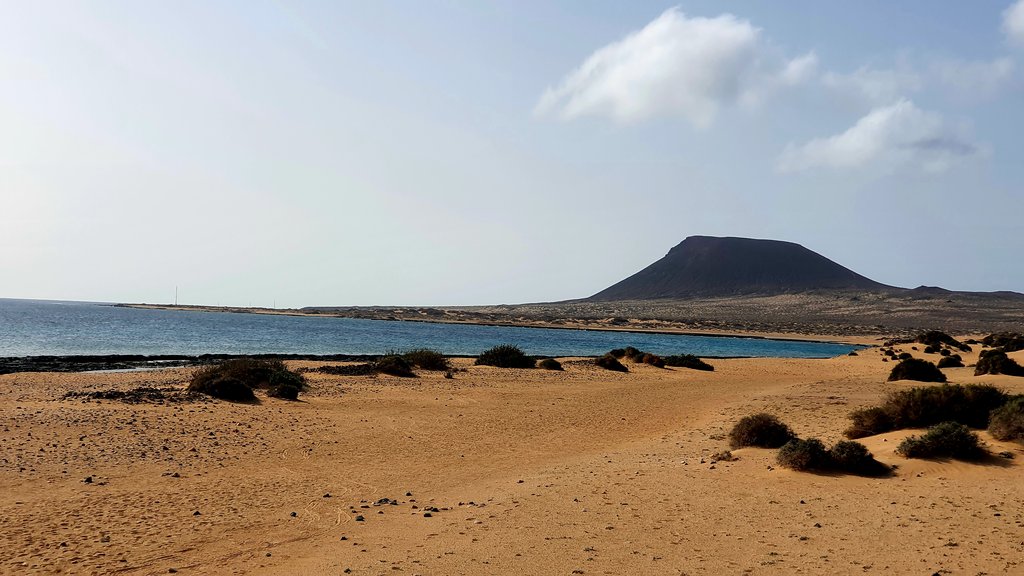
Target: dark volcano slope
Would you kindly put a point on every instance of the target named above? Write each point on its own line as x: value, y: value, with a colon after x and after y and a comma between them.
x: 705, y: 266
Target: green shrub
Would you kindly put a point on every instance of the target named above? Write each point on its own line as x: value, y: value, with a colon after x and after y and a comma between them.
x: 506, y: 356
x: 905, y: 356
x: 284, y: 391
x: 946, y: 440
x: 609, y: 362
x: 936, y: 339
x: 760, y: 430
x: 222, y: 387
x: 926, y: 406
x: 618, y: 353
x: 868, y: 422
x: 1006, y: 423
x: 929, y: 405
x: 226, y: 379
x: 550, y: 364
x: 394, y: 365
x: 427, y: 359
x: 633, y: 354
x: 688, y: 361
x: 809, y: 454
x: 952, y: 361
x: 916, y: 369
x: 997, y: 362
x: 855, y: 458
x: 653, y: 360
x: 1008, y: 341
x: 367, y: 369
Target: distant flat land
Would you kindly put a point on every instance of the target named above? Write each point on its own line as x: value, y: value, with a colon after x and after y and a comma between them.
x: 847, y: 316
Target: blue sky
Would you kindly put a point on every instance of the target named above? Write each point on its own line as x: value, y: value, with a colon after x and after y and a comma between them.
x: 420, y: 152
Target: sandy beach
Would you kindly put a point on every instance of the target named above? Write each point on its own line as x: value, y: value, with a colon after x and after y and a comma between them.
x: 494, y: 471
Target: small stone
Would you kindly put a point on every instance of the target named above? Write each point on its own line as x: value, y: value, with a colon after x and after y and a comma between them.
x: 360, y: 518
x: 197, y: 513
x: 88, y: 480
x: 294, y: 514
x: 427, y: 515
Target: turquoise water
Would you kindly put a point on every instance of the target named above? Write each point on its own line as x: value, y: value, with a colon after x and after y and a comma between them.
x: 35, y: 327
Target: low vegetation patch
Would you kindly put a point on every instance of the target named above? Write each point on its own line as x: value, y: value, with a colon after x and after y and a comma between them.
x: 945, y: 440
x: 653, y: 360
x: 284, y: 391
x: 761, y: 430
x: 506, y: 356
x: 236, y: 379
x: 394, y: 365
x: 366, y: 369
x: 936, y: 339
x: 550, y: 364
x: 846, y: 457
x: 1006, y: 423
x: 951, y: 361
x: 926, y: 406
x: 799, y: 454
x: 997, y: 362
x: 688, y: 361
x: 609, y: 362
x: 916, y: 369
x: 868, y: 422
x: 426, y: 359
x: 1008, y: 341
x: 855, y: 458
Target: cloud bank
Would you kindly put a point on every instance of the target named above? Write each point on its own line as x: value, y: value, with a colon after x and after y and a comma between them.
x: 674, y: 66
x: 1013, y: 23
x: 898, y: 134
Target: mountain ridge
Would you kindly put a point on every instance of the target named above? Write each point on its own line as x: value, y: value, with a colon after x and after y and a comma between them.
x: 710, y: 266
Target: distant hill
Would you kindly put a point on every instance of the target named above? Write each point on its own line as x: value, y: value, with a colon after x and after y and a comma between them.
x: 705, y: 266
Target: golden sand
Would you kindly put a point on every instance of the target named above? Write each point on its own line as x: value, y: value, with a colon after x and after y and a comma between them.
x: 531, y: 472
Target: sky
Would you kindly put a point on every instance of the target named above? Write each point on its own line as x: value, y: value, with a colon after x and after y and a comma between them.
x: 290, y: 154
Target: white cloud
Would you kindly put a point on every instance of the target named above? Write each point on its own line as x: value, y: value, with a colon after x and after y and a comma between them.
x: 674, y: 66
x: 800, y: 69
x: 974, y: 79
x: 1013, y: 23
x: 898, y: 134
x: 874, y: 85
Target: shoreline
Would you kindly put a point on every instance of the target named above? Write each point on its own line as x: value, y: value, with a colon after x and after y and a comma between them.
x: 863, y: 340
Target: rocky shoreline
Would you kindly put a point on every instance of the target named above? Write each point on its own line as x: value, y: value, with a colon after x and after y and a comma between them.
x: 91, y: 363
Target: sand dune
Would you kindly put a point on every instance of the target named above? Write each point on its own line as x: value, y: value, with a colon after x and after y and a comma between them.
x: 581, y: 472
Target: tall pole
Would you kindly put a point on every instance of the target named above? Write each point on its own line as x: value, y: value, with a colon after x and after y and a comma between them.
x: 175, y: 295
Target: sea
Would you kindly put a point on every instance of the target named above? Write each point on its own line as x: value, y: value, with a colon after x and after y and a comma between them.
x: 43, y: 327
